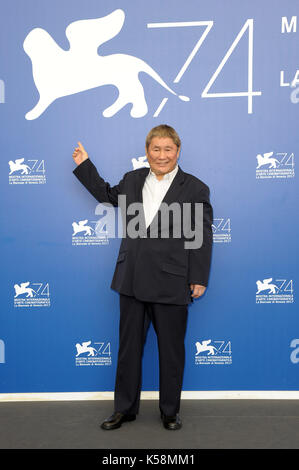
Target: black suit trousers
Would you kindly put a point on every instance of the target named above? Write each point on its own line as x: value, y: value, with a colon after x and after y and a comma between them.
x: 169, y: 322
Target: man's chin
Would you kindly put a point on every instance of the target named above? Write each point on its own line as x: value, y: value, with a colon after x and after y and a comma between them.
x: 161, y: 170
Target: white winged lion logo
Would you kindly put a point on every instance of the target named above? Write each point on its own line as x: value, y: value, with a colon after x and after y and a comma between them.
x: 58, y: 72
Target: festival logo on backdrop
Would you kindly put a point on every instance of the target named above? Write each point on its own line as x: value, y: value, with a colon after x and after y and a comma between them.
x: 32, y: 294
x: 22, y: 173
x: 93, y: 354
x: 213, y: 352
x: 222, y: 232
x: 275, y: 165
x: 278, y: 291
x: 91, y: 232
x: 56, y: 73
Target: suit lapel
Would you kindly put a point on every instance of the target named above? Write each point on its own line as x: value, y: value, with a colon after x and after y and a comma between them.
x: 170, y: 196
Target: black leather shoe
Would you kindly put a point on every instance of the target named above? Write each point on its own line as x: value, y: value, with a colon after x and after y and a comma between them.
x: 116, y: 419
x: 171, y: 422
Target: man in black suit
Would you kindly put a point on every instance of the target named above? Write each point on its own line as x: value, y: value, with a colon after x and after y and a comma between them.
x: 157, y: 273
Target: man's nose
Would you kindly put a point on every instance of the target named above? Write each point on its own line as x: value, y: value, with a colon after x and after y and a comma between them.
x: 162, y: 155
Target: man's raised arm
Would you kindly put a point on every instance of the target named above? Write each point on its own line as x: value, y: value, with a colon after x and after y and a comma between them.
x: 88, y: 175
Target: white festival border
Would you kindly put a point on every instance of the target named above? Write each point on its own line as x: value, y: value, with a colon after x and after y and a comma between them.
x: 154, y: 395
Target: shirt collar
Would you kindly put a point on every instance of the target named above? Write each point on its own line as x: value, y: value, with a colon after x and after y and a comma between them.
x: 167, y: 176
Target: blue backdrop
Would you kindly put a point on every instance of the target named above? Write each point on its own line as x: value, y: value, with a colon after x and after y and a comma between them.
x: 62, y: 65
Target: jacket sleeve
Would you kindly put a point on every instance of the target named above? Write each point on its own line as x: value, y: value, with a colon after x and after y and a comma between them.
x: 200, y: 258
x: 88, y: 175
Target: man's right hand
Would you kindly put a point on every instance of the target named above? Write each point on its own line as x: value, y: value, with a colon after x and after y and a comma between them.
x: 79, y: 154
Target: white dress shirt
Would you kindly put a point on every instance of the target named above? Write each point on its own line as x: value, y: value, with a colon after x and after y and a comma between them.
x: 153, y: 193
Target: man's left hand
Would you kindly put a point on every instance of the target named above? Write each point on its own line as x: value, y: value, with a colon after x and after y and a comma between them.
x: 197, y: 289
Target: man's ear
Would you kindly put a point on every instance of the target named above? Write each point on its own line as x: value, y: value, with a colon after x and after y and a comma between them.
x: 178, y: 151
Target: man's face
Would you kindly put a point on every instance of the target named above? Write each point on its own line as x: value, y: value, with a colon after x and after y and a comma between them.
x: 162, y: 155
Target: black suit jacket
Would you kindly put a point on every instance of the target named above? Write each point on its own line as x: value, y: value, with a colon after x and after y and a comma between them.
x: 155, y: 269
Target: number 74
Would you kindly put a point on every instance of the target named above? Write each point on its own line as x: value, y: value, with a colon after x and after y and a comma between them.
x: 248, y: 25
